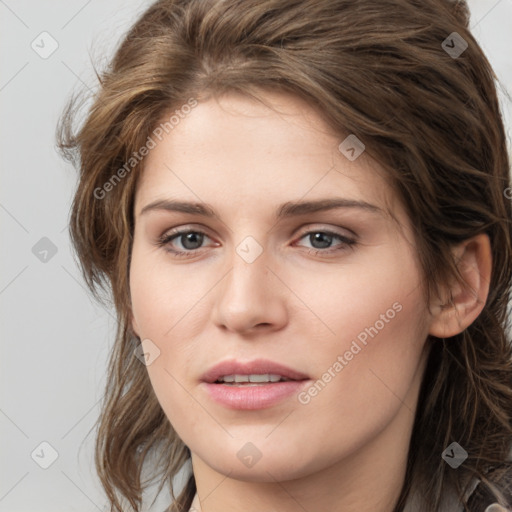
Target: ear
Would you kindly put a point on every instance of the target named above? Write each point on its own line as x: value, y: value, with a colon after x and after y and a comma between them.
x: 459, y: 306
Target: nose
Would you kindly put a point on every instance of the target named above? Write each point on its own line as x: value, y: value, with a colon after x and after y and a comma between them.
x: 250, y: 298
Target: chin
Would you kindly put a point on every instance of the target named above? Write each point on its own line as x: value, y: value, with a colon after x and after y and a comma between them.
x: 244, y: 461
x: 269, y: 471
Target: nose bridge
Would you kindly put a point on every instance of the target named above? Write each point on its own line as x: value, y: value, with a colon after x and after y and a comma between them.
x: 249, y: 275
x: 250, y: 294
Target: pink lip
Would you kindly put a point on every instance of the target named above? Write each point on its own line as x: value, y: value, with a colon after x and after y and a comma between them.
x: 251, y: 397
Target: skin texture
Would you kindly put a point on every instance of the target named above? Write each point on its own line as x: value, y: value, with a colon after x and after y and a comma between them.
x: 289, y: 305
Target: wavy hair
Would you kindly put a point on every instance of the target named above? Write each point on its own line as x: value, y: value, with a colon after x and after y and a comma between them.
x: 375, y: 68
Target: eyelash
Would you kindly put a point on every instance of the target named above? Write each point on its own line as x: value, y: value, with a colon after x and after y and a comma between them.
x: 164, y: 240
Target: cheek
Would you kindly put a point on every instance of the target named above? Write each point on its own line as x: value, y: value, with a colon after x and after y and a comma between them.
x: 374, y: 368
x: 372, y: 333
x: 163, y: 296
x: 157, y: 309
x: 369, y: 296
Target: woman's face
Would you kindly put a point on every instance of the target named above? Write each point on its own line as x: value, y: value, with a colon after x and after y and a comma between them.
x: 273, y: 283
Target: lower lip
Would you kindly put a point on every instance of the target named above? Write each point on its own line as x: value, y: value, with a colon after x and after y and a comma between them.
x: 253, y: 397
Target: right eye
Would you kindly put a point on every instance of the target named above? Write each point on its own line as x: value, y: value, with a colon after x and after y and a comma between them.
x: 190, y: 241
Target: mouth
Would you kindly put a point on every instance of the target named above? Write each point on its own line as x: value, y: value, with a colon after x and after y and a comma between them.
x: 260, y: 371
x: 250, y: 380
x: 253, y: 385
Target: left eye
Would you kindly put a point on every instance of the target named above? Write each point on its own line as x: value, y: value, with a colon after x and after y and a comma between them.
x: 323, y: 240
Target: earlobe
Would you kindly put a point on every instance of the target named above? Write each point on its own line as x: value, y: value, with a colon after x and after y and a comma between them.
x: 461, y: 304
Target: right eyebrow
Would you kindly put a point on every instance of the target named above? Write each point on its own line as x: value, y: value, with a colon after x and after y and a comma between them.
x: 180, y: 206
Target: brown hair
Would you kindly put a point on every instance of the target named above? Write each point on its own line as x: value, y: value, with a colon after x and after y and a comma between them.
x: 374, y: 68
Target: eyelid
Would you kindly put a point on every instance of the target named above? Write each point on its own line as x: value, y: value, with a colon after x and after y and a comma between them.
x: 302, y: 230
x: 184, y: 228
x: 173, y: 234
x: 335, y: 230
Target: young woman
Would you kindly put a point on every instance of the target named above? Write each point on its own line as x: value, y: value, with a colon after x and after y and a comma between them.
x: 301, y: 211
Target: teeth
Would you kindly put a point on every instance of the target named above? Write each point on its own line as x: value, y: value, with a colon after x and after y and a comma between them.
x: 259, y: 378
x: 251, y: 378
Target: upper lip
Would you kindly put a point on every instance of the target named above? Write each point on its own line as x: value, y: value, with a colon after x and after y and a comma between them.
x: 255, y: 367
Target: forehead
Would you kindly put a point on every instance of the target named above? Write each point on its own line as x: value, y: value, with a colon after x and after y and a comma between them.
x: 237, y: 150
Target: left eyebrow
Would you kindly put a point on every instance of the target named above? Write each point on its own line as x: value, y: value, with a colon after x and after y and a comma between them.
x: 288, y: 209
x: 291, y: 209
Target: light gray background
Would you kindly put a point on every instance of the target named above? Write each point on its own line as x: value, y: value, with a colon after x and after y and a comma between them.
x: 55, y: 339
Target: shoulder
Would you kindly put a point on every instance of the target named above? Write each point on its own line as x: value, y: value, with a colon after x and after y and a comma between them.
x: 478, y: 496
x: 500, y: 477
